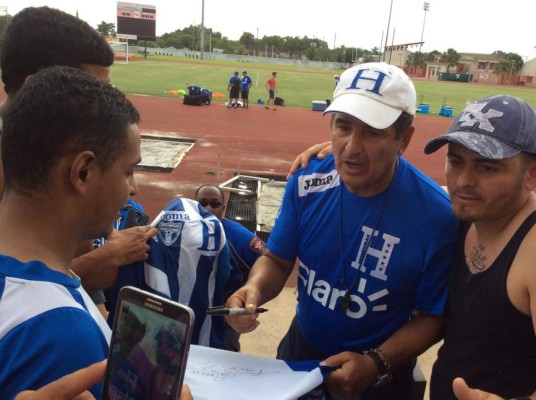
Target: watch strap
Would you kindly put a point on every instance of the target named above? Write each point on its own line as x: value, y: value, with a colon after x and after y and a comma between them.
x: 384, y: 368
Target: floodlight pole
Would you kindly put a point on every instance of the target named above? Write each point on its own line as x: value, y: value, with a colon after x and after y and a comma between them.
x: 202, y: 29
x: 381, y: 50
x: 511, y: 70
x: 388, y: 25
x: 426, y: 7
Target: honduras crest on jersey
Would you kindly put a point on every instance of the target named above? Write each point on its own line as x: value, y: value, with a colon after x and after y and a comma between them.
x: 170, y: 229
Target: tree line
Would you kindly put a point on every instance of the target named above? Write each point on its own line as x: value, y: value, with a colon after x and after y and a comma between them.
x: 509, y: 62
x: 302, y: 48
x: 293, y: 47
x: 288, y: 47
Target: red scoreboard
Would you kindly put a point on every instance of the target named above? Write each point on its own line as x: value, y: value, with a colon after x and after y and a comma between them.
x: 136, y: 21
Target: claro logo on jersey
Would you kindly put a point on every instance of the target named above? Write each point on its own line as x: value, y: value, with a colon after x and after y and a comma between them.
x: 317, y: 182
x: 362, y: 300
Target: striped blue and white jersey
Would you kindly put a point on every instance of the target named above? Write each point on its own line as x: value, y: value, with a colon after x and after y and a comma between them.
x: 189, y: 262
x: 45, y: 316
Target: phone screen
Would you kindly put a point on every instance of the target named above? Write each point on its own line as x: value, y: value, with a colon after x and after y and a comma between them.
x: 148, y: 349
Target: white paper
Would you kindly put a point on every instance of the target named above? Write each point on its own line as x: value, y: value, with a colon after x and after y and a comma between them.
x: 214, y: 374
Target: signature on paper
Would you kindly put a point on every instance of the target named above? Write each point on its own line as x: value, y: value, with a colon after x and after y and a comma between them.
x: 221, y: 372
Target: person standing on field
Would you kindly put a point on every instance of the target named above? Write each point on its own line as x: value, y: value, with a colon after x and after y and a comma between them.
x: 246, y: 85
x: 234, y: 90
x: 271, y: 86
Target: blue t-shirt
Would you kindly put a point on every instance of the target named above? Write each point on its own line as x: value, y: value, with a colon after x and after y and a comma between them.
x: 248, y: 245
x: 49, y: 327
x: 189, y: 262
x: 405, y: 267
x: 232, y: 80
x: 246, y: 81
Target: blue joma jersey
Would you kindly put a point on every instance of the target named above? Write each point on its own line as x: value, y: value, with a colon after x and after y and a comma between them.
x: 405, y: 265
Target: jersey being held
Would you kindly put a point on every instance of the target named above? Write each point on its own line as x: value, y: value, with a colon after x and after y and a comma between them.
x: 488, y: 342
x: 189, y: 262
x: 49, y: 327
x: 406, y: 262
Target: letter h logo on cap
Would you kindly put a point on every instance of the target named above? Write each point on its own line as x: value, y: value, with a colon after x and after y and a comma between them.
x: 377, y: 85
x: 375, y: 93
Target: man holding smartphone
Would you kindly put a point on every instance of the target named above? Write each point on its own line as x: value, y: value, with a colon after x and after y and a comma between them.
x: 84, y: 48
x: 83, y: 151
x: 76, y: 385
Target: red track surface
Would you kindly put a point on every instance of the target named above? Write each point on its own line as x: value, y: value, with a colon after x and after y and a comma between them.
x: 255, y: 140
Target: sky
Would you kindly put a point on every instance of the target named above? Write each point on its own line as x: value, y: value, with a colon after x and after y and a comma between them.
x: 468, y: 26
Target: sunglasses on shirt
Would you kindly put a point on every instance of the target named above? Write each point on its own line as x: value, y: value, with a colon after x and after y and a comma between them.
x: 212, y: 203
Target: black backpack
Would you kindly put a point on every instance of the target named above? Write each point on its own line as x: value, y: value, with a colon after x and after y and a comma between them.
x: 278, y: 101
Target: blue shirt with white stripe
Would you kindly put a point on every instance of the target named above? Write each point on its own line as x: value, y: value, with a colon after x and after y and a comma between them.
x: 49, y: 327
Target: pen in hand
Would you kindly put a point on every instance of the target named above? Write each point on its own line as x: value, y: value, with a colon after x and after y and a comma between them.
x: 157, y: 220
x: 233, y: 311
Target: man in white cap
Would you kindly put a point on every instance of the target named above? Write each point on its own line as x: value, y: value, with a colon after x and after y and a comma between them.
x: 374, y: 239
x: 490, y: 337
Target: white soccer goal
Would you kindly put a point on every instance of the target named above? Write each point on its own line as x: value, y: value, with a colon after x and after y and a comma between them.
x: 121, y: 54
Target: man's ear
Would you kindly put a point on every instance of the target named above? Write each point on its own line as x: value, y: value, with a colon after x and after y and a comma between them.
x: 530, y: 183
x: 83, y: 169
x: 406, y: 139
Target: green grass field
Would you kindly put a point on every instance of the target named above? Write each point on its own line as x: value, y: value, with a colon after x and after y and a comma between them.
x: 299, y: 86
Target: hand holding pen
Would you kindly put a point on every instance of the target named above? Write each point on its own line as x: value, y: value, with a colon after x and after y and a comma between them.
x: 222, y: 310
x: 248, y: 298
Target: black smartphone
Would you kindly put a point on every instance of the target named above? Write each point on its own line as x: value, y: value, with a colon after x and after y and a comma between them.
x: 131, y: 216
x: 149, y: 347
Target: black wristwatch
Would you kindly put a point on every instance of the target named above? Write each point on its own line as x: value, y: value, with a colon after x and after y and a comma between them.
x: 384, y: 369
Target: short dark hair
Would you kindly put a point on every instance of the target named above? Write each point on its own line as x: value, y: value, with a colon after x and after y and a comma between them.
x: 403, y: 122
x: 527, y: 158
x: 210, y: 185
x: 60, y: 111
x: 40, y: 37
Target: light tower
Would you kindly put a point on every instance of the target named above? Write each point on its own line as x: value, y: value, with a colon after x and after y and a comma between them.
x: 426, y: 7
x: 202, y: 29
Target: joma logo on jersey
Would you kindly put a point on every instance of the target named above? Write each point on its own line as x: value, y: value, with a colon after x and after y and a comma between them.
x: 317, y: 182
x: 173, y: 216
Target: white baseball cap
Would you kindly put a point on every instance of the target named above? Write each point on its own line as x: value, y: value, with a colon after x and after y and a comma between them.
x: 375, y: 93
